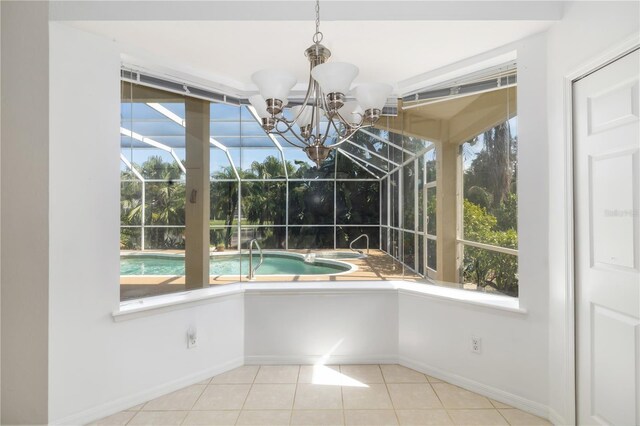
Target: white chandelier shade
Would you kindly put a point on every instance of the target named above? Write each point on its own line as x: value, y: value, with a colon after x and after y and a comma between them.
x: 274, y: 84
x: 372, y: 96
x: 260, y: 105
x: 351, y: 112
x: 335, y: 77
x: 304, y: 117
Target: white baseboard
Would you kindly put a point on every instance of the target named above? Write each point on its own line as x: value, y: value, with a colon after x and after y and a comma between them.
x: 508, y: 398
x: 120, y: 404
x: 320, y: 359
x: 556, y: 418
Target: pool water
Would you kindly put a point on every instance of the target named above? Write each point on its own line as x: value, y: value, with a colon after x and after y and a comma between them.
x: 228, y: 265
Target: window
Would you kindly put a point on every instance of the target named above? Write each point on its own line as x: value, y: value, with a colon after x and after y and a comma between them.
x: 152, y: 190
x: 490, y: 206
x: 450, y: 200
x: 433, y: 188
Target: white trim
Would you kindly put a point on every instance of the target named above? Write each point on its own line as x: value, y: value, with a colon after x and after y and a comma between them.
x: 592, y: 65
x: 505, y: 397
x: 120, y: 404
x: 160, y: 304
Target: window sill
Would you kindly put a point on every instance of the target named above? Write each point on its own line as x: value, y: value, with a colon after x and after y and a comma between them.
x: 169, y: 302
x: 165, y: 303
x: 444, y: 291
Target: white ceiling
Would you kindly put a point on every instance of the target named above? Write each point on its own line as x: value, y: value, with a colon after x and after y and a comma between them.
x: 387, y: 51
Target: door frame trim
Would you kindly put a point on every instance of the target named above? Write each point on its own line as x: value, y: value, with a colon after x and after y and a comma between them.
x: 597, y: 62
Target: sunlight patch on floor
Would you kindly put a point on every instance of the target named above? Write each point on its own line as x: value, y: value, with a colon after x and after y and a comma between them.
x: 323, y: 375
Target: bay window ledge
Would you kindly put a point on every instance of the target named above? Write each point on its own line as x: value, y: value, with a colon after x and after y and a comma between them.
x: 435, y: 290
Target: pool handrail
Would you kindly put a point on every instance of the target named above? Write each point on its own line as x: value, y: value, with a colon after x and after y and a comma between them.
x: 356, y: 250
x: 252, y: 271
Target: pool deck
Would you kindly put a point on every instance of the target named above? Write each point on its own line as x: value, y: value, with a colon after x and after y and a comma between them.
x: 376, y: 266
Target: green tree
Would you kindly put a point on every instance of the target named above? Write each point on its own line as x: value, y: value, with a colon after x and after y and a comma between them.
x: 485, y: 267
x: 164, y: 205
x: 223, y: 199
x: 264, y: 202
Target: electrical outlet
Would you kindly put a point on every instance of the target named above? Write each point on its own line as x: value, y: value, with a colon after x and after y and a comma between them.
x: 192, y: 338
x: 476, y: 344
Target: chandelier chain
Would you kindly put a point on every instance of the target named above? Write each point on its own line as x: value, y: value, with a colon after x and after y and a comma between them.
x: 317, y: 37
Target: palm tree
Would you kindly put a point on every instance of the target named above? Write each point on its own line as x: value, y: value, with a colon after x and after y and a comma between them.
x: 224, y: 199
x: 165, y: 203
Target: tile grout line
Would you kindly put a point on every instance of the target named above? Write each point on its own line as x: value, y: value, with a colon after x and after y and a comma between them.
x: 501, y: 415
x: 195, y: 402
x: 446, y: 410
x: 136, y: 412
x: 386, y: 386
x: 295, y: 393
x: 248, y: 392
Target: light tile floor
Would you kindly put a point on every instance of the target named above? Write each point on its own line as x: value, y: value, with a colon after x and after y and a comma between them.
x: 322, y: 395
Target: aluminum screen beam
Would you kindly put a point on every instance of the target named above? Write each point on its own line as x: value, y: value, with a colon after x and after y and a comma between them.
x: 130, y: 167
x: 154, y: 144
x: 372, y: 153
x: 359, y: 162
x: 383, y: 140
x: 177, y: 119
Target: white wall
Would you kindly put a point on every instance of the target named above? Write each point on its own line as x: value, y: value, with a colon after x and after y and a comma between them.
x: 24, y: 228
x: 329, y: 326
x: 435, y: 335
x: 98, y: 366
x: 587, y: 30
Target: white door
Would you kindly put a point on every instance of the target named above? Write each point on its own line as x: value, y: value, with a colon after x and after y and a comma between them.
x: 607, y: 278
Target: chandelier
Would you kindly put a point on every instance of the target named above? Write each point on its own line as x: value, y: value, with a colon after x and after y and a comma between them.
x: 325, y: 109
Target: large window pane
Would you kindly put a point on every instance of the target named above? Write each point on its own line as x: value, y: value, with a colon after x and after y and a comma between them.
x: 264, y: 203
x: 395, y: 206
x: 223, y: 197
x: 431, y: 211
x: 408, y: 195
x: 346, y: 234
x: 490, y: 270
x: 269, y: 237
x: 223, y: 238
x: 152, y: 192
x: 311, y: 203
x: 432, y: 255
x: 164, y: 238
x: 357, y: 202
x: 409, y: 251
x: 490, y: 198
x: 131, y: 205
x: 308, y: 237
x: 165, y: 203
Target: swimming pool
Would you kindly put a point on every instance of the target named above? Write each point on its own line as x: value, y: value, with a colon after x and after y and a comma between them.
x: 231, y: 264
